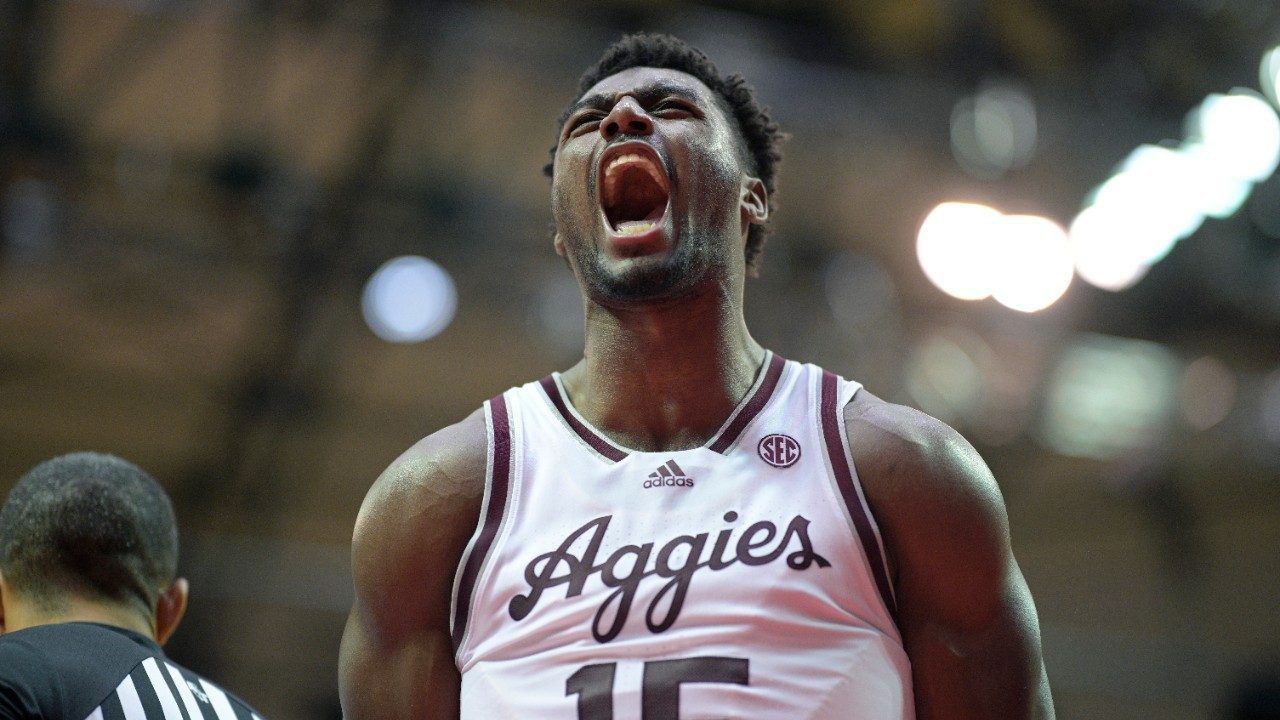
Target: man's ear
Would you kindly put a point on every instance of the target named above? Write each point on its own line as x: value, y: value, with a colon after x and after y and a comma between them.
x: 754, y: 200
x: 170, y: 609
x: 558, y: 244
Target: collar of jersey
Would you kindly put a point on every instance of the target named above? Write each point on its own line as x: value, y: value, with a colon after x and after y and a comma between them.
x: 748, y: 408
x: 137, y: 637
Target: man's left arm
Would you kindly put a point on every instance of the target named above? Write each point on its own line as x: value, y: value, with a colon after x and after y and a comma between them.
x: 963, y: 607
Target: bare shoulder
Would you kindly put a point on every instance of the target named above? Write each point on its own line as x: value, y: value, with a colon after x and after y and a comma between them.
x: 415, y: 522
x: 966, y: 615
x: 931, y: 494
x: 902, y: 453
x: 445, y: 469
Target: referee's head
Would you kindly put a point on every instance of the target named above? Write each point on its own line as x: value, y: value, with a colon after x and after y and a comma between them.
x: 88, y: 536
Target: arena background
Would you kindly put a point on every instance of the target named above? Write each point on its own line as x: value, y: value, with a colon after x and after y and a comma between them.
x: 194, y: 197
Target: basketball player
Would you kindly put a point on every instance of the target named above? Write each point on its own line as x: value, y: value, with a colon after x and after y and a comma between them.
x: 88, y: 551
x: 684, y: 524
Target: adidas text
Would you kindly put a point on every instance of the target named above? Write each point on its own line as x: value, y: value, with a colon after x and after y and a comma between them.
x: 669, y: 482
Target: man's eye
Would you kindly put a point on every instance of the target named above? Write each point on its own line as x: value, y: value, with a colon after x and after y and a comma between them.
x: 584, y: 120
x: 673, y: 105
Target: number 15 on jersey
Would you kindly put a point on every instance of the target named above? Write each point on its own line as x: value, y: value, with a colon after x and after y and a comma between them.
x: 660, y: 687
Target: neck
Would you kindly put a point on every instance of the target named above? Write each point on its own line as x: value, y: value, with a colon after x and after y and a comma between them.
x: 666, y: 376
x: 20, y: 615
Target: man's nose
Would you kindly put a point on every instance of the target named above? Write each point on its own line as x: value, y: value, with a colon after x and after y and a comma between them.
x: 626, y: 118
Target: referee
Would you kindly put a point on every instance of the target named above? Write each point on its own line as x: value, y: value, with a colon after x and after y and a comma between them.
x: 88, y: 554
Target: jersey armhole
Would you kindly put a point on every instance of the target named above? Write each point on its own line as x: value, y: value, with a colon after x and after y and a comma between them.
x: 834, y: 395
x: 497, y: 485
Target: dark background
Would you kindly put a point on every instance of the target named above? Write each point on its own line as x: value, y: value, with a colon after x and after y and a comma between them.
x: 193, y: 195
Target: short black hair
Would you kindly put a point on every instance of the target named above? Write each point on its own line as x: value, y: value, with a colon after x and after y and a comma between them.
x: 761, y: 137
x: 91, y: 525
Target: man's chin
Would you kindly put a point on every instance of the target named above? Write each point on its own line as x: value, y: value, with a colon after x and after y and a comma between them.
x: 645, y: 278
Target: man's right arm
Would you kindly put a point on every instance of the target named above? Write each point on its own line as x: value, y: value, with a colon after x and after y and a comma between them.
x: 397, y: 654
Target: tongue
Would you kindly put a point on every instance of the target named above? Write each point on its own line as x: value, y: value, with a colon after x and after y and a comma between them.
x: 633, y: 200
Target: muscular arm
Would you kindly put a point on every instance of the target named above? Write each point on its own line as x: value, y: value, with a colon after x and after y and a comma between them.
x: 965, y: 612
x: 396, y: 659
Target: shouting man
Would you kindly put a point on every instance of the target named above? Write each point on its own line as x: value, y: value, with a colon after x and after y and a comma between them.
x: 684, y: 524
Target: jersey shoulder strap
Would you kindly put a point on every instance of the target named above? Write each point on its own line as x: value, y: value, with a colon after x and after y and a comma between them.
x: 834, y: 393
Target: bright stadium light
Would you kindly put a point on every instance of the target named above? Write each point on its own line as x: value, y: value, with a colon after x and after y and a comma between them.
x: 1137, y: 216
x: 409, y: 299
x: 1161, y: 195
x: 1162, y: 186
x: 1128, y: 200
x: 1240, y: 134
x: 1103, y: 247
x: 955, y: 245
x: 1217, y: 194
x: 973, y: 251
x: 1032, y: 263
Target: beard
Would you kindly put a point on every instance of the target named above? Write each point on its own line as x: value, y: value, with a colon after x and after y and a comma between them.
x: 642, y: 280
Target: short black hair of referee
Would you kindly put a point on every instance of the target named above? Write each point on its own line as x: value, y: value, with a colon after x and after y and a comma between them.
x: 92, y: 537
x: 760, y: 136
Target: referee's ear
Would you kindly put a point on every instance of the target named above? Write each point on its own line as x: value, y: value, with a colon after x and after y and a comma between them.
x: 170, y: 609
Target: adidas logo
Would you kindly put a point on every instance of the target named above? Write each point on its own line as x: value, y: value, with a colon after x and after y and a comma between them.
x: 668, y: 474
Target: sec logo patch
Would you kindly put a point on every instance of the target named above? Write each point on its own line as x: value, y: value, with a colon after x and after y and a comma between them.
x: 780, y: 451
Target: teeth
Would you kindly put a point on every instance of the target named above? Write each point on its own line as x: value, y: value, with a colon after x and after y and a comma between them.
x: 634, y: 227
x: 641, y: 160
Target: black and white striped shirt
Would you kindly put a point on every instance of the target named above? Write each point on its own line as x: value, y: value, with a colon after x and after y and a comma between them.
x: 87, y: 671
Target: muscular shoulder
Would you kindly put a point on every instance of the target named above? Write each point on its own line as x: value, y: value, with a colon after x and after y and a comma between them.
x: 415, y: 521
x: 964, y: 610
x: 931, y: 493
x: 901, y: 450
x: 444, y: 470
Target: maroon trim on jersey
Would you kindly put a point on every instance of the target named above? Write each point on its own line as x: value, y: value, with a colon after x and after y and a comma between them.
x: 597, y: 443
x: 753, y: 405
x: 831, y: 431
x: 500, y: 482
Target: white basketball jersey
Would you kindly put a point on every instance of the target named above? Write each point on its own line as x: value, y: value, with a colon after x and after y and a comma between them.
x: 741, y: 579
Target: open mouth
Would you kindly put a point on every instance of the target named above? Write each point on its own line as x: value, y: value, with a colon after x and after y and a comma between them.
x: 634, y: 190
